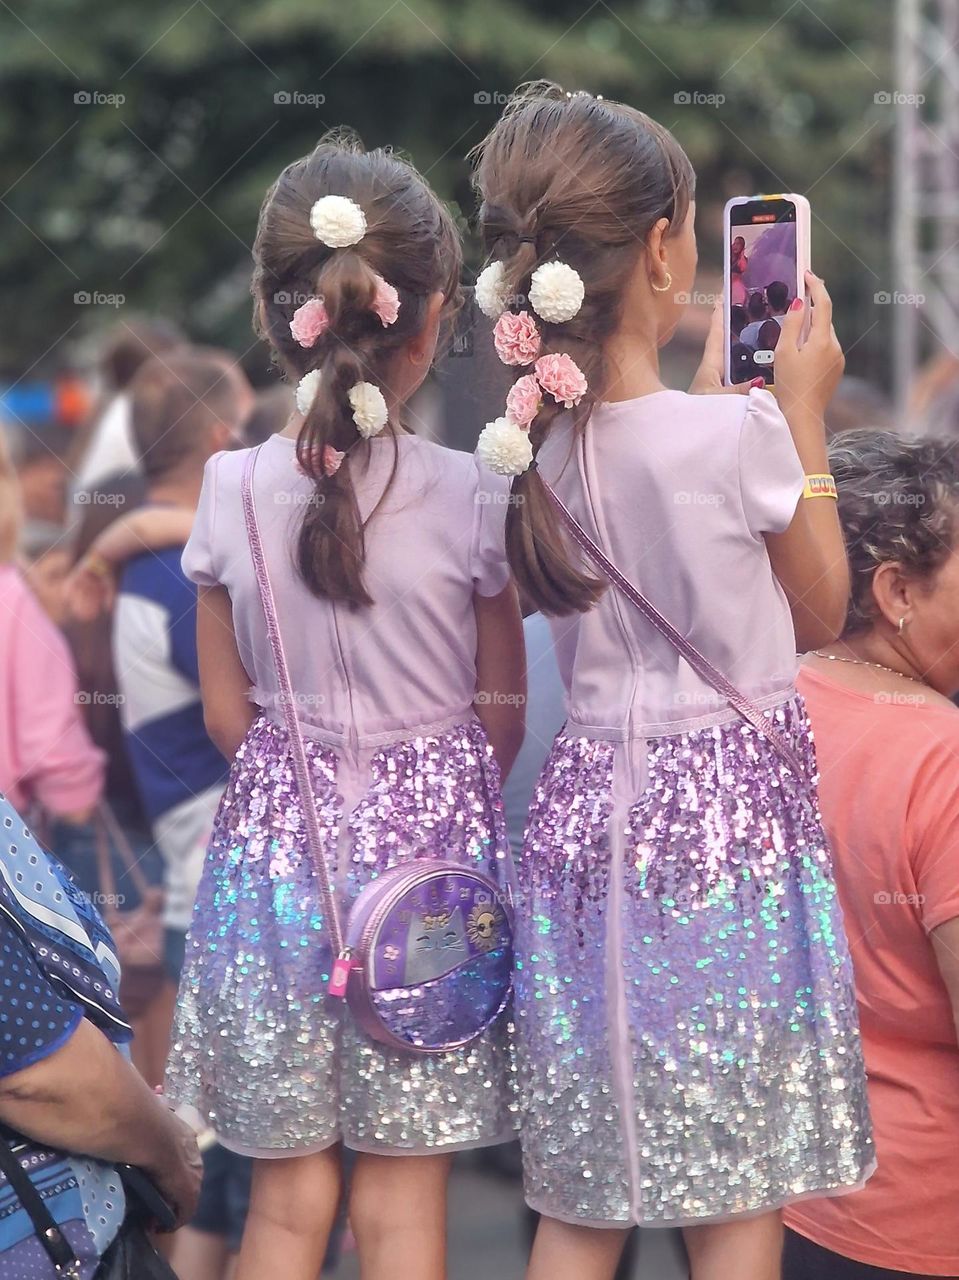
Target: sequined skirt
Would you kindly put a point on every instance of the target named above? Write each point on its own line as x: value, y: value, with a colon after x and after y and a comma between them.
x: 276, y: 1065
x: 686, y: 1016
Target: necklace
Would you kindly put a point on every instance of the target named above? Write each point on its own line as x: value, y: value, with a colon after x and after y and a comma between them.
x: 862, y: 662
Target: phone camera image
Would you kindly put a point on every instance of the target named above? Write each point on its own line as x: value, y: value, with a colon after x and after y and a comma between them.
x: 762, y: 284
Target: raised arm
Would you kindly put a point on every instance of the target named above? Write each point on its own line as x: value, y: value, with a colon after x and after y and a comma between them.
x: 91, y: 586
x: 809, y: 558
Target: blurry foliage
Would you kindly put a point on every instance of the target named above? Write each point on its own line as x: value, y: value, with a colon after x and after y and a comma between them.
x: 156, y: 199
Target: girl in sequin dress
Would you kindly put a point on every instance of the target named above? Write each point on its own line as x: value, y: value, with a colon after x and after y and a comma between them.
x: 688, y: 1044
x: 394, y: 602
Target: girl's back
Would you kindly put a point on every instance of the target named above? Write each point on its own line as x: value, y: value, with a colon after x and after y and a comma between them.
x: 679, y: 490
x: 408, y: 660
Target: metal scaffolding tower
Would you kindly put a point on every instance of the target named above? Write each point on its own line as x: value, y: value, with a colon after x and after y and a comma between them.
x: 926, y: 191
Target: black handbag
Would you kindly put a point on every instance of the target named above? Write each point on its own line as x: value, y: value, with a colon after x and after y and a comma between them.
x: 131, y: 1256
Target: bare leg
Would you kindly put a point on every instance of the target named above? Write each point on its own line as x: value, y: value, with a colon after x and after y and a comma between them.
x: 398, y: 1215
x: 747, y: 1248
x: 292, y: 1206
x: 564, y: 1252
x: 198, y: 1255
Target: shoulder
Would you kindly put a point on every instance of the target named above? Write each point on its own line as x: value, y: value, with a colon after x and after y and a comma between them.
x: 462, y: 473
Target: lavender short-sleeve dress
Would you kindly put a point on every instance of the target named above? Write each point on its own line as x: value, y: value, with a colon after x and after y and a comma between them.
x: 687, y: 1026
x: 402, y: 768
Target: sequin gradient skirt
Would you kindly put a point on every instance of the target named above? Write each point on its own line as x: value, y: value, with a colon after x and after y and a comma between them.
x: 277, y: 1065
x: 686, y: 1016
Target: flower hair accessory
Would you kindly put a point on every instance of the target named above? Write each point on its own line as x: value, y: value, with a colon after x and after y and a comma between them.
x: 331, y: 460
x: 309, y: 322
x: 556, y: 292
x: 524, y: 400
x: 516, y: 338
x: 490, y: 291
x: 306, y: 390
x: 337, y: 221
x: 505, y: 447
x: 386, y: 303
x: 369, y: 408
x: 562, y: 377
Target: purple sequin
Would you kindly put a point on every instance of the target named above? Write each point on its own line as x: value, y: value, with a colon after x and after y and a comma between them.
x: 687, y: 1022
x: 259, y: 1047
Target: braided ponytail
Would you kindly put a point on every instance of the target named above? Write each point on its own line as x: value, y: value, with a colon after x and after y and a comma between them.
x: 407, y: 239
x: 620, y: 173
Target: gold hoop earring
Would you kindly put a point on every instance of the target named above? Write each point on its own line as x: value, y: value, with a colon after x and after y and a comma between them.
x: 662, y: 288
x: 902, y: 623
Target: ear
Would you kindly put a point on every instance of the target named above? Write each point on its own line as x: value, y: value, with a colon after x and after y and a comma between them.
x: 222, y: 436
x: 422, y: 347
x: 656, y: 251
x: 893, y: 592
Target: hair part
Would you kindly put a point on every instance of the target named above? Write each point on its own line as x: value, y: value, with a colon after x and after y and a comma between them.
x: 898, y: 502
x: 582, y: 180
x: 412, y: 243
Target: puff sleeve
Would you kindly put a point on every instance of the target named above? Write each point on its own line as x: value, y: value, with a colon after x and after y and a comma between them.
x: 771, y: 475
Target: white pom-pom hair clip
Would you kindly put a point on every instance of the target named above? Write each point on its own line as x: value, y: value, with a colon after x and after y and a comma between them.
x: 366, y: 400
x: 338, y: 221
x: 556, y: 292
x: 369, y: 408
x: 490, y: 291
x: 505, y: 447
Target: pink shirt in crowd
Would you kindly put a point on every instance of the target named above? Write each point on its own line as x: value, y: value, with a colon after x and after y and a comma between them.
x: 46, y: 755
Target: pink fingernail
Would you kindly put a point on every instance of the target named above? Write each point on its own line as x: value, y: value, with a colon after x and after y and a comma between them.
x: 758, y: 382
x: 796, y: 304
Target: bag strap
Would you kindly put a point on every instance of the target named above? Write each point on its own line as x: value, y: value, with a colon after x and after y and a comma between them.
x: 301, y: 768
x: 699, y: 663
x: 54, y: 1242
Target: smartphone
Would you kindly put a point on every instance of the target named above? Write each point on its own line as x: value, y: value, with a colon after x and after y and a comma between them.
x: 766, y: 257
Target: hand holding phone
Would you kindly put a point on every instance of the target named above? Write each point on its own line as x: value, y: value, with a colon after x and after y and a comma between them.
x: 765, y: 261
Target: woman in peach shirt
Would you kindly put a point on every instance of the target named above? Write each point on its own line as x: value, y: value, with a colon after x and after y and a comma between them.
x: 887, y: 739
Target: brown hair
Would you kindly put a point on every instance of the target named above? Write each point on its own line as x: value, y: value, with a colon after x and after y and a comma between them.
x: 173, y: 400
x: 575, y: 178
x: 410, y: 241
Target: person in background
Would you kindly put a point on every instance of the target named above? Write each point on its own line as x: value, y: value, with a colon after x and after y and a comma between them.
x: 757, y: 311
x: 104, y: 446
x: 75, y: 1105
x: 46, y: 756
x: 738, y: 318
x: 270, y: 414
x: 768, y: 336
x: 738, y: 262
x: 887, y: 741
x: 183, y: 409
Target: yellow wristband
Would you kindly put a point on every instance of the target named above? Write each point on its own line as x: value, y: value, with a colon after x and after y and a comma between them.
x: 820, y: 486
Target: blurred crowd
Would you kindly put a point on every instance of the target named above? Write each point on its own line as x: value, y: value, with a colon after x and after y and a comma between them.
x: 103, y: 747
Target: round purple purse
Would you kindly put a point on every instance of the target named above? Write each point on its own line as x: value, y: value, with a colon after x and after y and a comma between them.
x: 426, y: 958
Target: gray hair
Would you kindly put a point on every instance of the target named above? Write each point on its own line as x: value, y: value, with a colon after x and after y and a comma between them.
x: 897, y: 502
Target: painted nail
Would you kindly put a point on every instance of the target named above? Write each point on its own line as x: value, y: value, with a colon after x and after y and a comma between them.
x: 796, y: 304
x: 758, y: 382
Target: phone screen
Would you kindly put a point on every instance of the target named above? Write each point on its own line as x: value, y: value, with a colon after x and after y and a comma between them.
x: 762, y: 283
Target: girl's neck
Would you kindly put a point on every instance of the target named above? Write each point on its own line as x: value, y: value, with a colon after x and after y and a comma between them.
x: 632, y: 365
